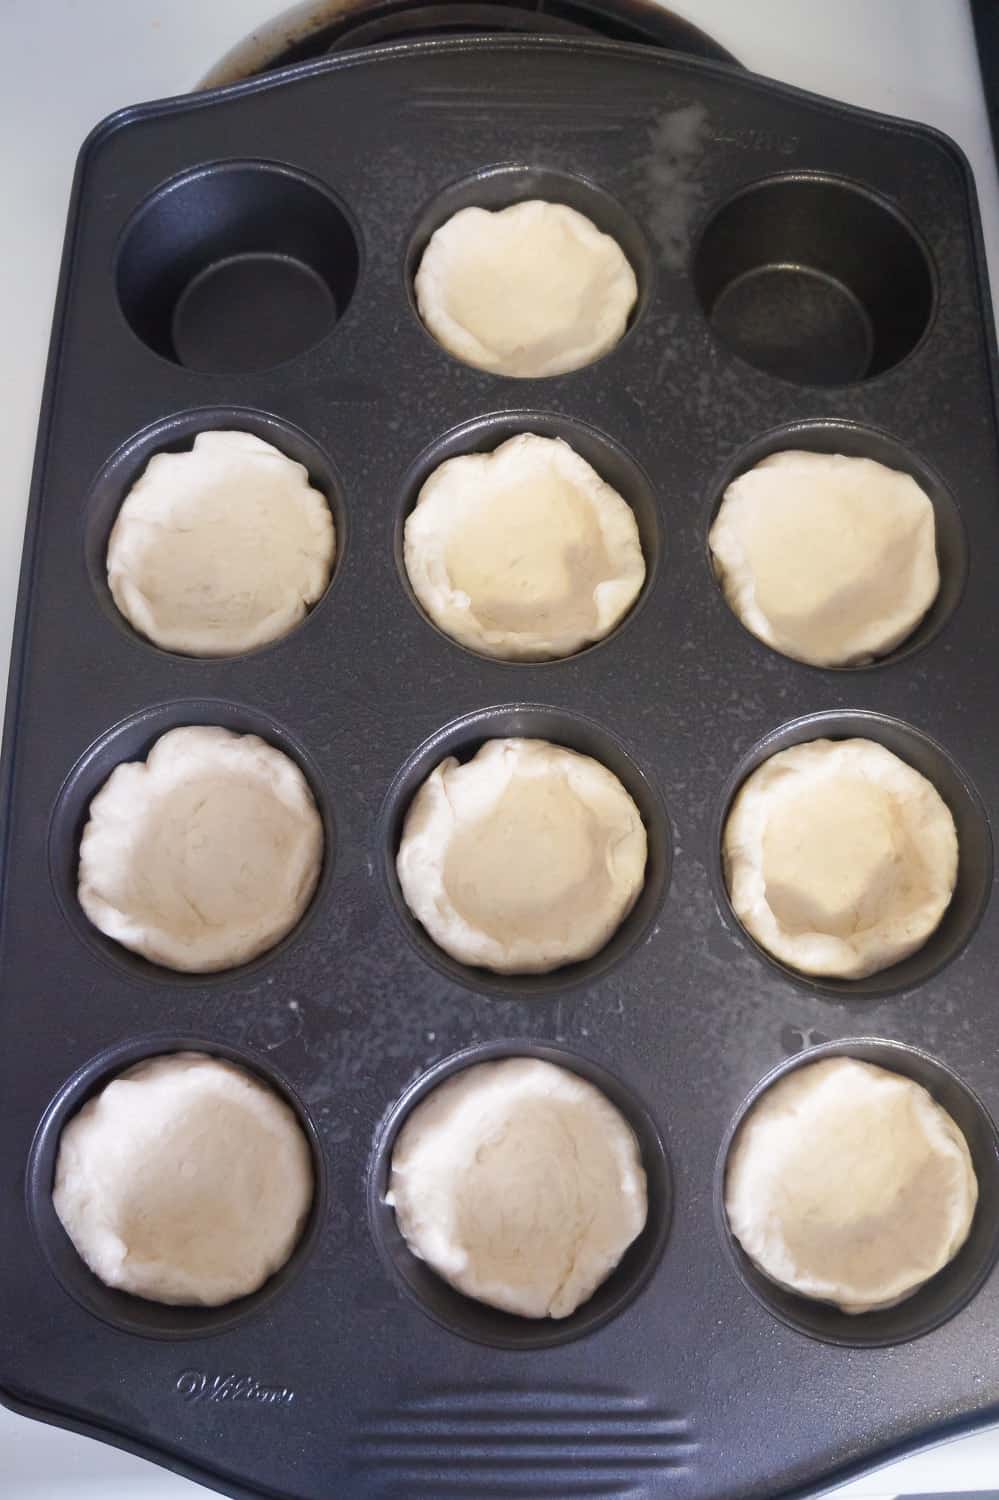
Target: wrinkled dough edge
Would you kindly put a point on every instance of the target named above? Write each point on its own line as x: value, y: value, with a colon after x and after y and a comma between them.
x: 438, y: 514
x: 433, y: 819
x: 745, y: 496
x: 754, y: 1226
x: 866, y: 952
x: 450, y: 243
x: 166, y: 473
x: 132, y: 783
x: 86, y: 1214
x: 443, y: 1126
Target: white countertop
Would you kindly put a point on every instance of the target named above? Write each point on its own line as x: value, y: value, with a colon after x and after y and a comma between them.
x: 68, y: 63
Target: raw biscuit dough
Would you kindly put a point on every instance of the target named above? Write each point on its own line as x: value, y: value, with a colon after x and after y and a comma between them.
x: 203, y: 855
x: 220, y: 549
x: 530, y: 290
x: 840, y: 859
x: 831, y: 560
x: 850, y: 1184
x: 525, y: 858
x: 524, y: 553
x: 186, y: 1180
x: 520, y: 1184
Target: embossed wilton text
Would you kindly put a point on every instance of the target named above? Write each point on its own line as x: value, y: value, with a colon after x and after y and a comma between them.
x: 195, y: 1385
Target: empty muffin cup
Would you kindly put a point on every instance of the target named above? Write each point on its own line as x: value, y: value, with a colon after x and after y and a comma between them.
x: 814, y: 279
x: 237, y: 267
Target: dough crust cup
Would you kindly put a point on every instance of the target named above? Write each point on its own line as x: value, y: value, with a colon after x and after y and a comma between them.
x: 840, y: 859
x: 828, y: 559
x: 186, y: 1180
x: 531, y: 290
x: 204, y: 855
x: 849, y: 1184
x: 526, y: 858
x: 524, y: 553
x: 520, y: 1184
x: 220, y: 549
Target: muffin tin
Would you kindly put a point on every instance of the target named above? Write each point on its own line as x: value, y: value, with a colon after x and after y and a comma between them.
x: 809, y: 276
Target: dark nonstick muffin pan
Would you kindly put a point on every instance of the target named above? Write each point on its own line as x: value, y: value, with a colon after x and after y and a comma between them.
x: 809, y: 276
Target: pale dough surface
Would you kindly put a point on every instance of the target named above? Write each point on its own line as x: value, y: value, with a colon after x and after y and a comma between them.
x: 527, y: 857
x: 850, y: 1184
x: 186, y: 1180
x: 829, y: 559
x: 524, y: 553
x: 220, y: 549
x: 840, y: 859
x: 520, y: 1184
x: 205, y: 854
x: 530, y: 290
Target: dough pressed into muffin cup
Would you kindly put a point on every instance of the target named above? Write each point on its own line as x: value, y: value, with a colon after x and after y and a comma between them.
x: 828, y: 559
x: 186, y: 1180
x: 520, y: 1184
x: 204, y: 855
x: 527, y: 857
x: 524, y: 553
x: 220, y: 549
x: 840, y: 859
x: 849, y: 1184
x: 530, y: 290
